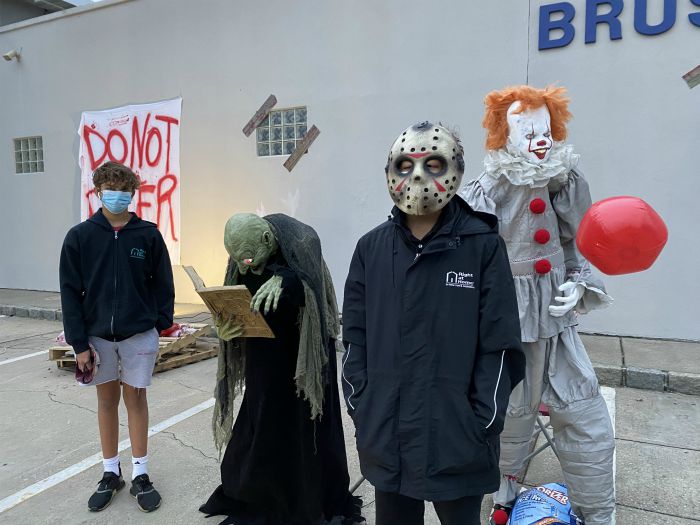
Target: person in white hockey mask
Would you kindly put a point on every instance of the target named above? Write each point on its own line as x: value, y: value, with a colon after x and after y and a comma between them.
x: 430, y: 327
x: 531, y: 182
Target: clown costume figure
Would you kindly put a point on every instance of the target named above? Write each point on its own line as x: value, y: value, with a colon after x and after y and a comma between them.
x: 531, y: 182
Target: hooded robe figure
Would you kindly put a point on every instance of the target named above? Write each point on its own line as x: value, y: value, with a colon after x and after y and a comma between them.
x: 285, y: 460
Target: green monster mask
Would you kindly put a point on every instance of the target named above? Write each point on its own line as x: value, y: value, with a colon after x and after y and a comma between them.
x: 249, y: 242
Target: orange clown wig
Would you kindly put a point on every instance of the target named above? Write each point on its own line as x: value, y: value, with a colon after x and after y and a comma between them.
x: 497, y: 104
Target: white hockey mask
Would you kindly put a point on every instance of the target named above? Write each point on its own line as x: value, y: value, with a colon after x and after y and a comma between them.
x: 529, y: 132
x: 424, y: 169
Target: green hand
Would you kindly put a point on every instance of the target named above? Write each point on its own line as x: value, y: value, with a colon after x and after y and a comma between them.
x: 268, y: 295
x: 226, y: 329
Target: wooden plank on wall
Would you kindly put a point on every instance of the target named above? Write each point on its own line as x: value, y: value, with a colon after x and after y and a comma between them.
x: 692, y: 77
x: 301, y: 148
x: 259, y: 115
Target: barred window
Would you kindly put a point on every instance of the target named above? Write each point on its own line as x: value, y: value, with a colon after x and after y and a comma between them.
x: 29, y: 155
x: 281, y: 131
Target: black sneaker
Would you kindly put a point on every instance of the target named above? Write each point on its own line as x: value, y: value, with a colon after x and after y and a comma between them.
x: 106, y: 489
x: 146, y: 496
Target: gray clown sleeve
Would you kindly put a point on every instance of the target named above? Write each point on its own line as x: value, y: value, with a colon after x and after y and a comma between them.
x: 474, y: 194
x: 571, y: 201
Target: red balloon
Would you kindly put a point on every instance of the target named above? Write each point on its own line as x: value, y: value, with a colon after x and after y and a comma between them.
x: 621, y: 235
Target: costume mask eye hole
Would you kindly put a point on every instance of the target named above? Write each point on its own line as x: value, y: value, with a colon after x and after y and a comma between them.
x: 434, y: 165
x: 405, y: 167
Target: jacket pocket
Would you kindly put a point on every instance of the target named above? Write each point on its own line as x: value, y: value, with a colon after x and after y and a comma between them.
x: 375, y: 430
x: 459, y: 445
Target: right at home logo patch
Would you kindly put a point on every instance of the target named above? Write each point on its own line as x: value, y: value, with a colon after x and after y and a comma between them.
x: 459, y: 279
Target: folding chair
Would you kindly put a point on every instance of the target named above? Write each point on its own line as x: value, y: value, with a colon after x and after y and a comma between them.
x: 544, y: 429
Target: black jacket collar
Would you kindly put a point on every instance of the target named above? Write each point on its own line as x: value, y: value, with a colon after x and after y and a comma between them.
x: 456, y: 219
x: 135, y: 221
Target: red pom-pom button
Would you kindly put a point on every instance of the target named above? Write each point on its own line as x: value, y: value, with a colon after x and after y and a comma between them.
x: 542, y: 236
x: 538, y: 206
x: 543, y: 266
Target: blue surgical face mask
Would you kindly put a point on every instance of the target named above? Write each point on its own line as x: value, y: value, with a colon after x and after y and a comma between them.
x: 116, y: 201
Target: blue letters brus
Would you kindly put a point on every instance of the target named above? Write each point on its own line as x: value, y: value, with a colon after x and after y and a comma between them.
x: 558, y: 17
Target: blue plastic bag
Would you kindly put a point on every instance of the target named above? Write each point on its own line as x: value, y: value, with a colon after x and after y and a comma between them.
x: 544, y: 505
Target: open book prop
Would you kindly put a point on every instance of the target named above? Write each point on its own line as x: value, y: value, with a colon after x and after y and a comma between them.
x: 231, y: 302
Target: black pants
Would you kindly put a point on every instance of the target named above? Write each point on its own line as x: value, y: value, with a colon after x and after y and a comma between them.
x: 395, y: 509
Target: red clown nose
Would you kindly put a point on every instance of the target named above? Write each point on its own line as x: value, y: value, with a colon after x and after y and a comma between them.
x: 621, y: 235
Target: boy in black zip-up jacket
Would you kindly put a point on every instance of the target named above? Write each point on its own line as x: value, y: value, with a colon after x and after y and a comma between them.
x: 432, y: 336
x: 117, y: 294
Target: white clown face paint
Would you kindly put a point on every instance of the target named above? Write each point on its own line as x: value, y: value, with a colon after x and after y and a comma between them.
x: 530, y: 133
x: 424, y: 169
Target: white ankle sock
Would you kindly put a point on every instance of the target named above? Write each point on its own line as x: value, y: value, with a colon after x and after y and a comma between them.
x: 111, y: 464
x: 140, y: 466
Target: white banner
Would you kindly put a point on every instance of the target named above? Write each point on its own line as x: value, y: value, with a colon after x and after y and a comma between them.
x: 145, y: 137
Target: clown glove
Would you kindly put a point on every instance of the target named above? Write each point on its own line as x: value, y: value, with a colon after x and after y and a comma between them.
x: 573, y: 292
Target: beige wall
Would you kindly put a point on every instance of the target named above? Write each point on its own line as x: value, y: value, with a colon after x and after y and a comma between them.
x: 365, y: 70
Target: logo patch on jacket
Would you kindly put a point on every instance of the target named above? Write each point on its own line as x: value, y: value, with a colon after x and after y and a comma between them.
x: 459, y: 279
x: 138, y: 253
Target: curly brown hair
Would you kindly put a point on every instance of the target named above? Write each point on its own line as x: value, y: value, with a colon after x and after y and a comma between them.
x: 116, y: 176
x: 498, y: 102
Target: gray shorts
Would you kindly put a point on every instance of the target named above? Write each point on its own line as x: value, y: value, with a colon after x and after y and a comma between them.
x: 130, y: 361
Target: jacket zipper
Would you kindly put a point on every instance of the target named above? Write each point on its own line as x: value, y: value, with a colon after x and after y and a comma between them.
x: 418, y: 254
x: 114, y: 302
x: 421, y: 247
x: 451, y: 245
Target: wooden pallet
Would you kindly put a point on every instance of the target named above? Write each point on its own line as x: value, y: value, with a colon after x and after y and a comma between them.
x: 203, y: 350
x: 59, y: 353
x: 173, y: 345
x: 63, y: 355
x: 173, y: 352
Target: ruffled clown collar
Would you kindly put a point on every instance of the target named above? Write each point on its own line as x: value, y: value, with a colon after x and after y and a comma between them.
x: 507, y: 162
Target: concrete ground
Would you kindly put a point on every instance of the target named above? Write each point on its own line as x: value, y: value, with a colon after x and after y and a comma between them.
x: 50, y: 462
